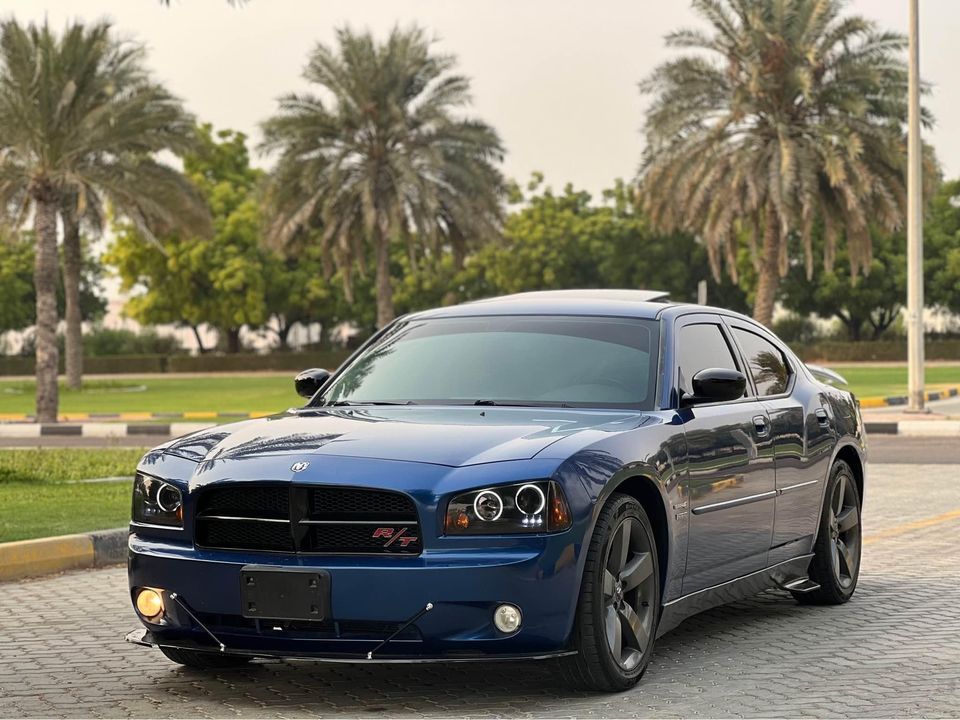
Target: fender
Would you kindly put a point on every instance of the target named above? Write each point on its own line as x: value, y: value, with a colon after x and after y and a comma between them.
x: 843, y: 442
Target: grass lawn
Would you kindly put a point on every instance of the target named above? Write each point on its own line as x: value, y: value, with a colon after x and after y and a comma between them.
x: 892, y: 380
x: 39, y: 501
x: 238, y: 393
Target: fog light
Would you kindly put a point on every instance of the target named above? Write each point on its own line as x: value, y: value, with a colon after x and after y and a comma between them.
x: 149, y: 603
x: 507, y: 618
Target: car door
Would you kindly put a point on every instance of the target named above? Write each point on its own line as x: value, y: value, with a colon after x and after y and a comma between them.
x: 801, y: 434
x: 730, y: 474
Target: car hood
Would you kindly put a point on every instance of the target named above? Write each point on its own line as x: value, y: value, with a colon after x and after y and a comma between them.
x: 450, y: 436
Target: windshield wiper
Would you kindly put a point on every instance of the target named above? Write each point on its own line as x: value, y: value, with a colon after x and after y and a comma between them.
x: 352, y: 403
x: 498, y: 403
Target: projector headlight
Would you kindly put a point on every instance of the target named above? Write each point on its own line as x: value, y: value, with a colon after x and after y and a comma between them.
x: 156, y: 502
x: 532, y: 507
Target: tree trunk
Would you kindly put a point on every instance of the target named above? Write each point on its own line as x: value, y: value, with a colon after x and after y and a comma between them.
x: 196, y: 334
x: 385, y: 312
x: 45, y: 284
x: 71, y: 287
x: 233, y: 340
x: 769, y: 281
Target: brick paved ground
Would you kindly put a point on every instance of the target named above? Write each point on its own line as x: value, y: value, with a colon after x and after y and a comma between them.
x: 893, y: 651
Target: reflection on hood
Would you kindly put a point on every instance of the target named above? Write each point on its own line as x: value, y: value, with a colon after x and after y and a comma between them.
x: 453, y: 436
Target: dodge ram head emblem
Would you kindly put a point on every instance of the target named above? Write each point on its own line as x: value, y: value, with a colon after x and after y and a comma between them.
x: 299, y: 466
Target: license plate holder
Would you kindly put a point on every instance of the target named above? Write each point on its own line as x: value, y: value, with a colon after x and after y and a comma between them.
x: 284, y: 593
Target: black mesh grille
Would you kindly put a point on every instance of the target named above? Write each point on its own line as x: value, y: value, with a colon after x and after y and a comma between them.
x: 319, y: 520
x: 359, y: 504
x: 244, y: 534
x: 238, y: 501
x: 397, y: 539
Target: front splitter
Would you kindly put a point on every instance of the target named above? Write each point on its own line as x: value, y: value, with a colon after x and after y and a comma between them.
x: 145, y: 638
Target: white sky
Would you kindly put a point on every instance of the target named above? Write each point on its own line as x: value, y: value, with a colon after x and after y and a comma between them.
x: 557, y: 78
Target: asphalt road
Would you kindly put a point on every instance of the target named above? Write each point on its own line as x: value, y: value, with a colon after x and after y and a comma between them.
x: 893, y: 651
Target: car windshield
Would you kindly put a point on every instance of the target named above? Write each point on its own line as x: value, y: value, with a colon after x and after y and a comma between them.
x: 507, y: 360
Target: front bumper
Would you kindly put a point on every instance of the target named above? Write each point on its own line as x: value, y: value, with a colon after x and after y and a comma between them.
x: 370, y: 599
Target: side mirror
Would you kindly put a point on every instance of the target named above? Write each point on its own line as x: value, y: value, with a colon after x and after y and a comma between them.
x: 309, y: 381
x: 716, y: 385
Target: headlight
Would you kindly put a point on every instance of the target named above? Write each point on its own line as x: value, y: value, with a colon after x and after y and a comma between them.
x: 156, y: 502
x: 532, y: 507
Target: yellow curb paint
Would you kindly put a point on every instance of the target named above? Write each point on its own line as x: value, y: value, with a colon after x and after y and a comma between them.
x: 199, y: 416
x: 46, y: 555
x: 135, y: 416
x: 259, y: 414
x: 874, y: 402
x: 68, y: 417
x: 12, y: 416
x: 911, y: 526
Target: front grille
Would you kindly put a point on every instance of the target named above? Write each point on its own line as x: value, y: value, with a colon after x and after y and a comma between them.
x: 307, y: 519
x: 244, y: 534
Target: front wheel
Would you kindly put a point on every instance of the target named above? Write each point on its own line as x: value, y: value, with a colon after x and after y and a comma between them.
x: 619, y: 603
x: 836, y: 559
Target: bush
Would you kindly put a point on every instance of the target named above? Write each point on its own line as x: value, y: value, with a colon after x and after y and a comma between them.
x: 106, y: 341
x: 243, y: 362
x: 796, y: 329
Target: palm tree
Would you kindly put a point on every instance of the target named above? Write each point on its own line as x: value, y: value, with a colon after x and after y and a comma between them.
x: 790, y: 117
x: 386, y: 160
x: 80, y: 123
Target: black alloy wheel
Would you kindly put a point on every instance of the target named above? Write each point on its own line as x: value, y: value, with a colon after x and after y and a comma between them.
x: 628, y: 584
x: 619, y: 604
x: 836, y: 561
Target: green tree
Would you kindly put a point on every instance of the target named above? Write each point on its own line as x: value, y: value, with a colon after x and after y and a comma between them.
x: 557, y: 241
x: 81, y: 121
x: 191, y: 280
x: 869, y: 304
x: 941, y: 241
x: 788, y: 114
x: 17, y: 294
x: 382, y: 158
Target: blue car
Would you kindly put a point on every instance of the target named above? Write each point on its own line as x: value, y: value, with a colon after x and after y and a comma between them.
x: 557, y: 475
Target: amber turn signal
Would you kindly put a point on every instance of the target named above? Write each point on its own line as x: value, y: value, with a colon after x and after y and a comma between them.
x: 559, y: 512
x: 149, y: 603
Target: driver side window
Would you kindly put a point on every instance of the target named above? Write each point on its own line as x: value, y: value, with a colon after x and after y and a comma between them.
x: 699, y: 347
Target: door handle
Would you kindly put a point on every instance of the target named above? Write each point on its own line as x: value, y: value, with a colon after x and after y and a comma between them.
x: 760, y: 425
x: 822, y: 417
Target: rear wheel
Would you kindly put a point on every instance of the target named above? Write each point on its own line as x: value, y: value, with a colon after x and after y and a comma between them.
x: 836, y: 560
x: 200, y: 660
x: 619, y: 603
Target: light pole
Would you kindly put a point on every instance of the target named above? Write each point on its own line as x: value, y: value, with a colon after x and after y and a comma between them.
x: 914, y: 224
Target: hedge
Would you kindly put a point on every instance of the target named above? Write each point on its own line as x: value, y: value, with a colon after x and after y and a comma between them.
x: 134, y: 364
x: 826, y: 351
x: 880, y: 350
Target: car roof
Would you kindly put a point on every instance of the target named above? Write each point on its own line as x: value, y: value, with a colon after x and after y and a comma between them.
x: 648, y: 304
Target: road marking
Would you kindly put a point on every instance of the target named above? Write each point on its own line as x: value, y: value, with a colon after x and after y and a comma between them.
x: 897, y: 530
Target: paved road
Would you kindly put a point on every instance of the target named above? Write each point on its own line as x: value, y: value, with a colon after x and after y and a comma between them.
x: 893, y: 651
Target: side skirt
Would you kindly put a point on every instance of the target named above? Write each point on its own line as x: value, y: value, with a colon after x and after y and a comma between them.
x: 676, y: 611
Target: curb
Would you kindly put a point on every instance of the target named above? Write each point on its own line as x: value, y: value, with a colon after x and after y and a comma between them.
x: 915, y: 428
x: 876, y: 402
x: 44, y: 556
x: 99, y: 430
x: 85, y: 417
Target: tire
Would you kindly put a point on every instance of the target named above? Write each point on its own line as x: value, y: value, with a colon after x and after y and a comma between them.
x: 607, y: 597
x: 839, y: 541
x: 200, y: 660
